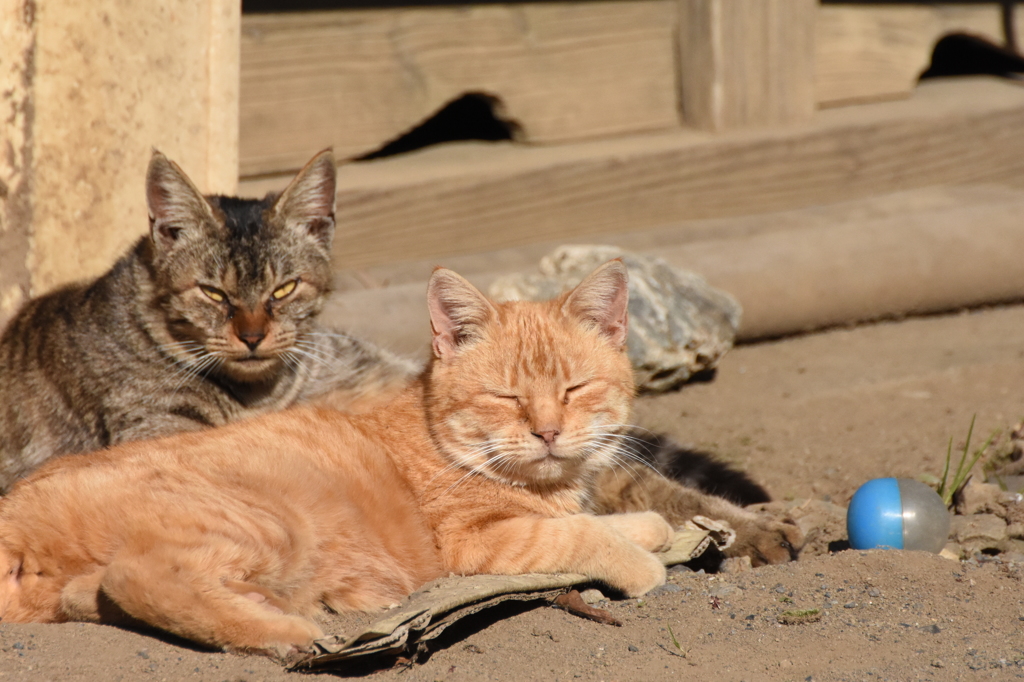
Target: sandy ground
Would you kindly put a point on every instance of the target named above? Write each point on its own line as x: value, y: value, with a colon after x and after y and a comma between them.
x: 810, y: 417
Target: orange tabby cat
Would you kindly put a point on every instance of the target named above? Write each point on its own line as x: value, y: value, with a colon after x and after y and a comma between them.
x: 234, y: 536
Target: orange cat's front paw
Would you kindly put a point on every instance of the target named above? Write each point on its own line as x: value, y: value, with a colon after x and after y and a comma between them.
x: 647, y: 529
x: 280, y: 637
x: 637, y: 574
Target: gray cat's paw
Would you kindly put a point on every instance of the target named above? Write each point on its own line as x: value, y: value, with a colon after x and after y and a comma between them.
x: 767, y: 541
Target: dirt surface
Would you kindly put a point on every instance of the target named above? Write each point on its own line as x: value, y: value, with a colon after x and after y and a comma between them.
x: 812, y: 418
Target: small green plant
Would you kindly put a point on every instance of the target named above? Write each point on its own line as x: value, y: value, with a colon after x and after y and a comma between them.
x: 947, y: 488
x: 675, y: 642
x: 680, y: 652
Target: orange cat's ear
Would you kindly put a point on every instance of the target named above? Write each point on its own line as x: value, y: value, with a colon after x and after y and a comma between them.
x: 176, y: 207
x: 603, y: 299
x: 307, y: 203
x: 458, y: 311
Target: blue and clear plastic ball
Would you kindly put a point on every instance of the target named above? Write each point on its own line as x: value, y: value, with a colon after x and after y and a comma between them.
x: 897, y: 513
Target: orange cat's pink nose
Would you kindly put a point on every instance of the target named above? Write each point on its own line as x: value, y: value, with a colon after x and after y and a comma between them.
x: 548, y: 436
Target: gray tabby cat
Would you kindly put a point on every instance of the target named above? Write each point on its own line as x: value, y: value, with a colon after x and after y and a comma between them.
x: 209, y: 319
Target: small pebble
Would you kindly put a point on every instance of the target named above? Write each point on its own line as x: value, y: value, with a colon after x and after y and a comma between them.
x: 874, y: 592
x: 633, y: 648
x: 592, y: 596
x: 850, y: 605
x: 667, y: 588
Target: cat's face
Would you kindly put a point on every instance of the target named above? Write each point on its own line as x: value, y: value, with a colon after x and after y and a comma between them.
x: 533, y: 394
x: 241, y: 280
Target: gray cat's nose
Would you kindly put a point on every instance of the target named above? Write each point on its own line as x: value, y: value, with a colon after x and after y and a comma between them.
x: 252, y: 339
x: 250, y: 326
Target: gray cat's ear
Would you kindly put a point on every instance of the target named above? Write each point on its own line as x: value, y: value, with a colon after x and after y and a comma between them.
x: 176, y: 207
x: 458, y: 311
x: 602, y: 299
x: 307, y: 204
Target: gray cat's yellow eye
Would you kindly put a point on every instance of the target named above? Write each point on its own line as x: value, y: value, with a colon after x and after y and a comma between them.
x: 213, y: 294
x: 284, y: 289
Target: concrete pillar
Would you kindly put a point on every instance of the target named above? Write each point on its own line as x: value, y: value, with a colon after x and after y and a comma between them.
x: 87, y: 90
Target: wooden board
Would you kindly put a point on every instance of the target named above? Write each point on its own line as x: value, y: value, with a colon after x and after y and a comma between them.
x: 357, y: 79
x: 746, y: 62
x: 468, y: 198
x: 875, y: 52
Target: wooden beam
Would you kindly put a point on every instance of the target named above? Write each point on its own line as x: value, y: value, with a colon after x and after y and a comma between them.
x: 358, y: 79
x: 919, y: 251
x: 746, y: 62
x: 477, y: 197
x: 876, y: 52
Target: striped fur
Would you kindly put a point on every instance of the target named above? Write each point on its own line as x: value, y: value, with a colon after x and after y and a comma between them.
x: 208, y: 319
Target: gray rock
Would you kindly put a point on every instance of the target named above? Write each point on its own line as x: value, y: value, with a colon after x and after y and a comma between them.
x: 667, y: 588
x: 678, y: 324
